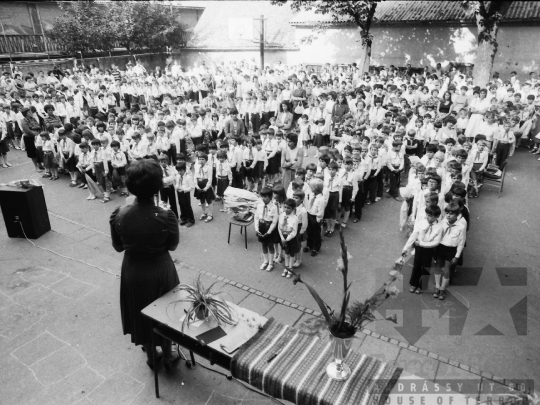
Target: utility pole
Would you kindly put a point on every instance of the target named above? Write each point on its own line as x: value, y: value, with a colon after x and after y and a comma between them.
x: 43, y: 33
x: 262, y: 42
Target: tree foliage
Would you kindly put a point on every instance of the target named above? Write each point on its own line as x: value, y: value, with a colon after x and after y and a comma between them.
x: 358, y: 12
x: 87, y: 26
x: 488, y: 15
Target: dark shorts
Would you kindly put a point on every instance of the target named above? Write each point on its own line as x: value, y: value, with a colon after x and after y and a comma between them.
x: 445, y: 252
x: 330, y: 211
x: 273, y: 237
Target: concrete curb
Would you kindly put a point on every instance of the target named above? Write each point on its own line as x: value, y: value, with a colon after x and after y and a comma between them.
x: 482, y: 374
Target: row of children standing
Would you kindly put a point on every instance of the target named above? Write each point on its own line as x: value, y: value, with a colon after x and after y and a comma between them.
x: 364, y: 130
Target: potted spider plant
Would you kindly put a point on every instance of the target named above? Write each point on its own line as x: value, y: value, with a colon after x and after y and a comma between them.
x: 351, y: 317
x: 205, y: 302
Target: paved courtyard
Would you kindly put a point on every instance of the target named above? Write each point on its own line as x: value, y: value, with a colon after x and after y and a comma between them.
x: 60, y: 332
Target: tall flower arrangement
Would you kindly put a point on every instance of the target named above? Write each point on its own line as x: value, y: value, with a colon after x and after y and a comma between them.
x: 356, y: 315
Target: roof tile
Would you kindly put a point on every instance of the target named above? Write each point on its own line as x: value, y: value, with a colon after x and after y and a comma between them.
x: 426, y: 11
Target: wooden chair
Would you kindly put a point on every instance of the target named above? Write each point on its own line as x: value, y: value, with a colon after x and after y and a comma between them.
x: 497, y: 182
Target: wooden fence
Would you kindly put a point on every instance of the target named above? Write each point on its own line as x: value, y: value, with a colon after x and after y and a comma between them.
x: 15, y: 44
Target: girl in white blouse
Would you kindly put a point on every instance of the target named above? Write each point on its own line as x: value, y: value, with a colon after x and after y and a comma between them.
x: 203, y: 187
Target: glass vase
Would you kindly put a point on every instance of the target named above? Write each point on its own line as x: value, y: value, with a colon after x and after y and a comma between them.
x: 338, y: 370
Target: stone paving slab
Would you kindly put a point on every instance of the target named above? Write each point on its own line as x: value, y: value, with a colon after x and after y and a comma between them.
x: 74, y: 387
x: 41, y: 275
x: 417, y: 364
x: 38, y: 349
x: 16, y: 318
x: 286, y: 315
x: 5, y: 300
x: 58, y: 365
x: 257, y: 304
x: 72, y: 288
x: 117, y: 389
x: 37, y: 296
x: 379, y: 349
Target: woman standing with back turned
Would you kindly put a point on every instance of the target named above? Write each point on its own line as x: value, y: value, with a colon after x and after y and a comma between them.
x: 146, y: 233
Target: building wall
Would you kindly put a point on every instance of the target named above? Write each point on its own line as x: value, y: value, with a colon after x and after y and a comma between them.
x: 187, y: 57
x: 420, y: 45
x: 230, y: 24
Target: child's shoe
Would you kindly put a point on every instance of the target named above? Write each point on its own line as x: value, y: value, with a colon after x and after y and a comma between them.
x: 264, y: 265
x: 297, y: 264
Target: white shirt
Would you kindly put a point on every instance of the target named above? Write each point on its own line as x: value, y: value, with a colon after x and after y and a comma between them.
x: 428, y: 235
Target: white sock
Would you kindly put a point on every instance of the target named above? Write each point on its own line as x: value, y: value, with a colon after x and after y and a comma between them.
x: 438, y: 281
x: 445, y: 282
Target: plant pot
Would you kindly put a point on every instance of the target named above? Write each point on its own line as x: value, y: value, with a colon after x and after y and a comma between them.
x: 201, y: 313
x: 338, y: 370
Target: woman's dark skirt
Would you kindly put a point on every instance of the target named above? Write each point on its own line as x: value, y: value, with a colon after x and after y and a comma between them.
x: 144, y: 280
x: 70, y: 164
x: 4, y: 147
x: 30, y: 146
x: 204, y: 196
x: 319, y: 141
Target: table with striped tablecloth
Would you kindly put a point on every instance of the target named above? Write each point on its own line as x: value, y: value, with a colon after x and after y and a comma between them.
x: 287, y: 364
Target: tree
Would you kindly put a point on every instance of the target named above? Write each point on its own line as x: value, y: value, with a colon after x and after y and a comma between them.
x: 76, y: 30
x: 358, y: 12
x: 488, y: 15
x: 89, y: 27
x: 143, y: 24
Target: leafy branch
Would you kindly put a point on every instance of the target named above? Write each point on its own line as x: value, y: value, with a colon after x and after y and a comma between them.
x: 356, y: 316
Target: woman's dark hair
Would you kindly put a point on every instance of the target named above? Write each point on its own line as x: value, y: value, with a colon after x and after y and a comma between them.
x: 292, y: 138
x: 287, y: 103
x: 68, y: 127
x: 280, y: 193
x: 144, y: 178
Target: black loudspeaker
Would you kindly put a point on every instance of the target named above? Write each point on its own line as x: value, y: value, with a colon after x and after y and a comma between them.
x: 26, y: 205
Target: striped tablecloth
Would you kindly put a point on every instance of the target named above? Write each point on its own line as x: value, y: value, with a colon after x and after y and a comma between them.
x: 298, y: 372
